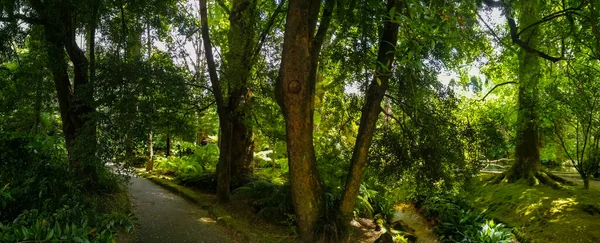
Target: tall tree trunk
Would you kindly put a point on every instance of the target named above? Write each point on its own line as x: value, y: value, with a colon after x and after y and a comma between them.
x: 225, y: 114
x: 75, y: 102
x: 369, y: 117
x: 295, y: 91
x: 224, y: 165
x: 150, y: 162
x: 242, y: 151
x: 527, y: 152
x: 241, y: 38
x: 168, y: 151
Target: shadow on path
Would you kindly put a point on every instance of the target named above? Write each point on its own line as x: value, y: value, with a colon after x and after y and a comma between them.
x: 166, y: 217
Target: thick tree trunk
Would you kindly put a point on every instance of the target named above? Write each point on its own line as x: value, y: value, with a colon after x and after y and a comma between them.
x: 586, y: 182
x: 150, y: 162
x: 241, y: 38
x: 527, y: 153
x: 242, y: 151
x: 224, y: 165
x: 75, y: 102
x: 295, y: 91
x: 369, y: 117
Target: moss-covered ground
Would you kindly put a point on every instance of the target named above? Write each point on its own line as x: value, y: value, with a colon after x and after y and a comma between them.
x: 539, y: 213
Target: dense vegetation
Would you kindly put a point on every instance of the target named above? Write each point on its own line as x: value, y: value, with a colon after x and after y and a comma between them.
x: 317, y: 113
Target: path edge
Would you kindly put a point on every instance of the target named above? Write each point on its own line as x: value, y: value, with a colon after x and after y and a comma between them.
x: 215, y: 211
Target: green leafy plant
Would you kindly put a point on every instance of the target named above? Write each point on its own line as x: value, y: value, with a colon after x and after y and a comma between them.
x: 492, y: 232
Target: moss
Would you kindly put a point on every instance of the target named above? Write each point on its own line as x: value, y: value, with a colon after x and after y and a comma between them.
x: 540, y: 213
x: 245, y: 225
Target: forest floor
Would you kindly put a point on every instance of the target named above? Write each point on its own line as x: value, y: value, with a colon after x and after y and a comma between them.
x: 539, y: 213
x: 164, y: 216
x: 238, y: 217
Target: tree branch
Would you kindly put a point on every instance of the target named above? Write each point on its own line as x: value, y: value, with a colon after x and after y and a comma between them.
x: 212, y: 70
x: 514, y: 32
x: 268, y: 27
x: 497, y: 85
x: 552, y: 16
x: 317, y: 42
x: 201, y: 109
x: 496, y: 35
x: 224, y: 6
x: 390, y: 115
x: 526, y: 47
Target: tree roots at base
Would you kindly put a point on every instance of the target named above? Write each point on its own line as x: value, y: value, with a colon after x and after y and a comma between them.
x: 538, y: 177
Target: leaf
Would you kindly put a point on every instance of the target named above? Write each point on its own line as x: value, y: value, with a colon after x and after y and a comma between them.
x: 49, y: 235
x: 77, y: 239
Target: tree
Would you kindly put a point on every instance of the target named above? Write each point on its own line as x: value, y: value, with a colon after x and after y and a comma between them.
x: 296, y: 91
x: 75, y: 101
x: 295, y: 95
x: 527, y: 36
x: 233, y: 98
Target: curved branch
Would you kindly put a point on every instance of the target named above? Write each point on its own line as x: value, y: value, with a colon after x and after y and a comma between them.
x: 497, y: 85
x: 552, y: 16
x: 514, y: 35
x: 212, y: 70
x: 514, y: 32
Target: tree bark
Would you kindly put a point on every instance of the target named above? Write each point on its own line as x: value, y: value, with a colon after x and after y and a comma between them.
x: 242, y: 151
x: 150, y: 163
x: 586, y: 182
x: 168, y: 150
x: 527, y: 153
x: 224, y: 112
x: 369, y: 117
x: 295, y: 90
x: 75, y: 102
x: 242, y: 39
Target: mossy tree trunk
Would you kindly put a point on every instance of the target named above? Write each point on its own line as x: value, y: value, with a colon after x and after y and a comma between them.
x: 242, y: 40
x: 527, y: 165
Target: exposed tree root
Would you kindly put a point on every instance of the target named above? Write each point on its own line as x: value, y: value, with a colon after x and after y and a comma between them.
x: 543, y: 178
x: 559, y: 179
x: 539, y: 177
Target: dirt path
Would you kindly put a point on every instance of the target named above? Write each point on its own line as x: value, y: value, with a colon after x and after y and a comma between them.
x: 166, y: 217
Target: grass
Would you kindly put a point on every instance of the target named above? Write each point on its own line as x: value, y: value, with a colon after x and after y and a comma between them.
x: 539, y: 213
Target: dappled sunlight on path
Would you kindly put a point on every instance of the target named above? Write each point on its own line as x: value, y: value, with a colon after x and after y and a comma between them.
x: 166, y: 217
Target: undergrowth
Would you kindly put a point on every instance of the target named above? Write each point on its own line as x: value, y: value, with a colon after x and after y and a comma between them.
x: 41, y: 200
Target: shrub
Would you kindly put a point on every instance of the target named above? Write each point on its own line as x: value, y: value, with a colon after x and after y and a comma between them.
x: 41, y: 200
x: 270, y: 200
x: 458, y: 223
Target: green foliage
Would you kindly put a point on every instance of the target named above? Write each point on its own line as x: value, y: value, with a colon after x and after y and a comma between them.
x: 458, y: 223
x: 494, y: 233
x: 42, y: 200
x: 270, y: 200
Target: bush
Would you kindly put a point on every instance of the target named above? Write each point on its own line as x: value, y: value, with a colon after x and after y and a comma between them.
x: 457, y: 223
x: 41, y: 200
x: 270, y: 200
